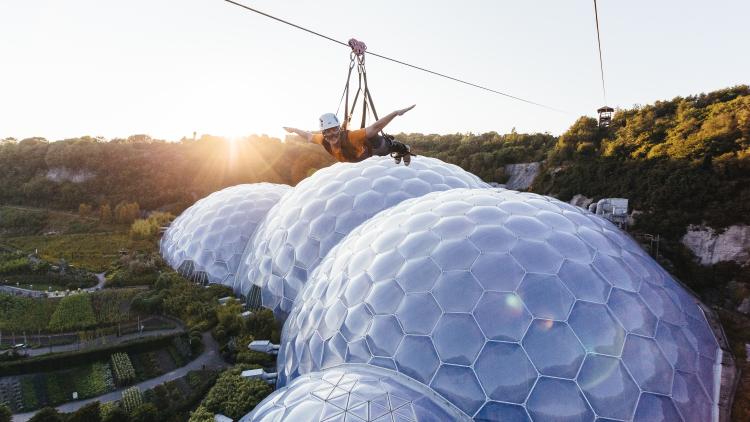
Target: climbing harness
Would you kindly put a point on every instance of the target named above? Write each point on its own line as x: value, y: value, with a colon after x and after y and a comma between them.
x: 398, y: 150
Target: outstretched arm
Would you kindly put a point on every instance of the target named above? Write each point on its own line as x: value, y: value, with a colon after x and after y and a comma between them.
x: 303, y: 133
x: 376, y: 127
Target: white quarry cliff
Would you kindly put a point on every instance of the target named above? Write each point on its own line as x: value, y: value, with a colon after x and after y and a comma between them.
x: 711, y: 247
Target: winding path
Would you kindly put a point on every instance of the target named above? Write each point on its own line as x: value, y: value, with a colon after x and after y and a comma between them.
x: 210, y: 358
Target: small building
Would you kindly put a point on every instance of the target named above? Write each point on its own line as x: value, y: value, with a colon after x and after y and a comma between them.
x: 263, y: 346
x: 221, y: 418
x: 605, y: 116
x: 613, y: 209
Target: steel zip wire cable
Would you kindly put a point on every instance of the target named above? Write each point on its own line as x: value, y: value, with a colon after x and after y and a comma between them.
x: 394, y: 60
x: 599, y: 42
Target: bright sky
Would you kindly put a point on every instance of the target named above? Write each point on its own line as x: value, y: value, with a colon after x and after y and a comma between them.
x: 171, y: 67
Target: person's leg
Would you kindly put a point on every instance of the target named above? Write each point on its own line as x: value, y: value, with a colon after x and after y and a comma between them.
x: 380, y: 145
x: 386, y: 145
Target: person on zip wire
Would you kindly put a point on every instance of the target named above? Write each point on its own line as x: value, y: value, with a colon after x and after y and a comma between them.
x: 352, y: 146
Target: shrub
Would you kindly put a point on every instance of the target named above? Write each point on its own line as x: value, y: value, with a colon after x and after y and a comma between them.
x: 201, y: 414
x: 5, y: 413
x: 115, y: 413
x: 48, y: 414
x: 89, y: 413
x: 233, y: 395
x: 146, y: 412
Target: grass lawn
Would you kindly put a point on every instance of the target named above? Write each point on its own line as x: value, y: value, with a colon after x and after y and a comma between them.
x: 92, y: 251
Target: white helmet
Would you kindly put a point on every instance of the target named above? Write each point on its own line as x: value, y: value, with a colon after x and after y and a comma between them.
x: 328, y: 121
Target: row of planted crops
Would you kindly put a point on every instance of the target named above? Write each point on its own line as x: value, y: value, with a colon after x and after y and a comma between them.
x: 101, y: 375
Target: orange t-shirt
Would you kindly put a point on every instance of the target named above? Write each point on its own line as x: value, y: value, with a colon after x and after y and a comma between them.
x: 352, y: 147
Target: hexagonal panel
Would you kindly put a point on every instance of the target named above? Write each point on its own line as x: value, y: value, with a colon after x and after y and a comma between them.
x: 418, y: 275
x: 459, y: 385
x: 357, y: 289
x: 705, y: 341
x: 558, y: 400
x: 498, y: 272
x: 385, y: 265
x: 357, y: 322
x: 502, y: 316
x: 417, y: 358
x: 457, y: 291
x: 454, y: 255
x: 555, y: 220
x: 676, y: 347
x: 661, y: 305
x: 505, y: 372
x: 494, y: 411
x: 385, y: 297
x: 632, y: 312
x: 418, y: 243
x: 598, y: 241
x: 553, y: 348
x: 615, y: 272
x: 706, y: 374
x: 384, y: 335
x: 492, y: 238
x: 653, y: 407
x: 458, y: 339
x: 545, y: 296
x: 584, y: 282
x: 418, y: 313
x: 536, y: 257
x: 525, y: 227
x: 608, y: 387
x: 688, y: 396
x: 454, y: 227
x: 596, y: 328
x: 647, y: 364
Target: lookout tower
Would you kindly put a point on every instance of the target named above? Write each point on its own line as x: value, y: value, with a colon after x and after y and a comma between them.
x: 605, y: 116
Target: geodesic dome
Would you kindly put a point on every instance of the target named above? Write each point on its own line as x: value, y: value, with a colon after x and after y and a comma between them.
x: 325, y: 207
x: 512, y: 306
x: 210, y: 236
x: 354, y: 393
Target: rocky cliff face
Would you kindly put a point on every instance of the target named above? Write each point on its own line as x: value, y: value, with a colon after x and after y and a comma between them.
x: 62, y: 174
x: 521, y: 175
x: 711, y: 247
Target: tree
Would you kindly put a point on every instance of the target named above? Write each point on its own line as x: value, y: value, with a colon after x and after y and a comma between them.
x: 262, y: 325
x: 142, y: 229
x: 89, y: 413
x: 105, y: 213
x: 229, y: 317
x: 126, y: 213
x: 147, y: 412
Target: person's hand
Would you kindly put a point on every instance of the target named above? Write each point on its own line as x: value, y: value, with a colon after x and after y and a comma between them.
x: 289, y: 129
x: 404, y: 110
